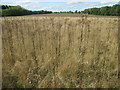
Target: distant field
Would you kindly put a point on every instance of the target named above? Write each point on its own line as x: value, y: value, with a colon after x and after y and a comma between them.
x: 71, y: 15
x: 53, y: 51
x: 66, y: 15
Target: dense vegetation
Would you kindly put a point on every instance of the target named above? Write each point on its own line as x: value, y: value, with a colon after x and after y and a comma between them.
x: 107, y: 10
x: 60, y: 52
x: 14, y: 11
x: 68, y: 12
x: 18, y: 11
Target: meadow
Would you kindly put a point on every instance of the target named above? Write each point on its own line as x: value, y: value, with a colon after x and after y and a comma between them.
x: 60, y: 51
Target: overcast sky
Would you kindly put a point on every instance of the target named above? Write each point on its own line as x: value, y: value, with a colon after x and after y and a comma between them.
x: 60, y: 5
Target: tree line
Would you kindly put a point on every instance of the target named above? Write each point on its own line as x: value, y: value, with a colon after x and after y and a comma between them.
x: 107, y: 10
x: 19, y: 11
x: 68, y: 12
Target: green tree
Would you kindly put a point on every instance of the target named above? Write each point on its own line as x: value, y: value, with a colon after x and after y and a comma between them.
x: 115, y: 10
x: 107, y: 10
x: 76, y: 11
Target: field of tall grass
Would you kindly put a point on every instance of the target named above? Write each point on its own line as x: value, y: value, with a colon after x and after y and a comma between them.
x: 55, y: 52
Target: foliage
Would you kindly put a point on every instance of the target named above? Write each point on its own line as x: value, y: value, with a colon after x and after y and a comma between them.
x: 68, y: 12
x: 42, y: 12
x: 107, y: 10
x: 11, y: 81
x: 5, y: 6
x: 15, y: 11
x: 18, y: 11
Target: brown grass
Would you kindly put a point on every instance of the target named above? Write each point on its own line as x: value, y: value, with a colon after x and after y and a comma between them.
x: 54, y: 52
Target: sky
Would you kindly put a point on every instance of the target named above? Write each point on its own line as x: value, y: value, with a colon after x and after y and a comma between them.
x: 60, y: 5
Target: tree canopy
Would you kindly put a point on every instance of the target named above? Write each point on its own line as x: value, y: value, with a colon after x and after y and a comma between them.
x: 18, y: 11
x: 8, y: 10
x: 107, y: 10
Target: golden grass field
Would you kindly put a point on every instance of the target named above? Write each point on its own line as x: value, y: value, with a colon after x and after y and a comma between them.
x: 60, y: 52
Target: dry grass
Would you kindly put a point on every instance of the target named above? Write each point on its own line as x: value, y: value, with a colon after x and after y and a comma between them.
x: 54, y: 52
